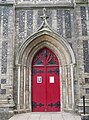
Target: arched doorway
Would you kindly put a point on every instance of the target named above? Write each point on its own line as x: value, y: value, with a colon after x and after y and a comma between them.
x: 45, y: 82
x: 25, y: 58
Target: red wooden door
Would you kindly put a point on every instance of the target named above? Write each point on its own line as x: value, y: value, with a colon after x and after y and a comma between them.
x: 45, y: 82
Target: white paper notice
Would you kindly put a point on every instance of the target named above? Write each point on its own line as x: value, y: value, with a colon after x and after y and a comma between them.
x: 39, y: 79
x: 52, y: 79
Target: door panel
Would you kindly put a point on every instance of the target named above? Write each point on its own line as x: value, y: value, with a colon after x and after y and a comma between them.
x: 53, y: 90
x: 38, y: 89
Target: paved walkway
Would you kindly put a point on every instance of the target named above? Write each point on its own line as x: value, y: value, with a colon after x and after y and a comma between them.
x: 46, y: 116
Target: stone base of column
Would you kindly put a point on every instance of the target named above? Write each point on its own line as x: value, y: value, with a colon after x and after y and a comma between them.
x: 85, y: 117
x: 21, y: 111
x: 18, y: 107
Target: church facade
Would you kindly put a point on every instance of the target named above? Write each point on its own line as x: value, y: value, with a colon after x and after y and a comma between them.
x: 44, y: 56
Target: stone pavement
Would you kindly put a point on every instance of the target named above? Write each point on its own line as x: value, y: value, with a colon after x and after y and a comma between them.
x: 46, y: 116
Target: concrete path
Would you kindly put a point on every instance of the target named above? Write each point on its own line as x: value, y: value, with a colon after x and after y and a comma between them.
x: 46, y: 116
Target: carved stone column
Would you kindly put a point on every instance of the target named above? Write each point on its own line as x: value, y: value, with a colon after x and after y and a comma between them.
x: 24, y: 87
x: 72, y: 85
x: 19, y: 73
x: 30, y: 88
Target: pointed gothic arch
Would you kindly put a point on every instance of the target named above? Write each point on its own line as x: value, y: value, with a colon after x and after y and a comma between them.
x: 44, y: 33
x: 65, y: 55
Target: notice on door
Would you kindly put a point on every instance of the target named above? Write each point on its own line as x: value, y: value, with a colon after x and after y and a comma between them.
x: 52, y: 79
x: 39, y: 79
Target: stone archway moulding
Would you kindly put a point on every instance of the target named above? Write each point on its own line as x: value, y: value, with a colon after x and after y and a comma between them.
x: 53, y: 35
x: 65, y: 54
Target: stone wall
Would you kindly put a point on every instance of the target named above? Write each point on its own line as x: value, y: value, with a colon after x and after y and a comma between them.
x: 70, y: 23
x: 6, y: 59
x: 29, y: 20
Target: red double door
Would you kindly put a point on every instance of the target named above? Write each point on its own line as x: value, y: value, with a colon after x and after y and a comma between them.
x: 45, y: 82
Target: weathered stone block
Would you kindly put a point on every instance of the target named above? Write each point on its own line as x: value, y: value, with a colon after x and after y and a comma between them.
x: 5, y: 114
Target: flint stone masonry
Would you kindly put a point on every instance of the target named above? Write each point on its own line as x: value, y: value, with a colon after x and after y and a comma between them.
x: 4, y: 57
x: 86, y: 54
x: 59, y: 15
x: 67, y: 24
x: 83, y: 20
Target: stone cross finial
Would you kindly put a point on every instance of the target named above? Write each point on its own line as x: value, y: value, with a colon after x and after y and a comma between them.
x: 44, y: 17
